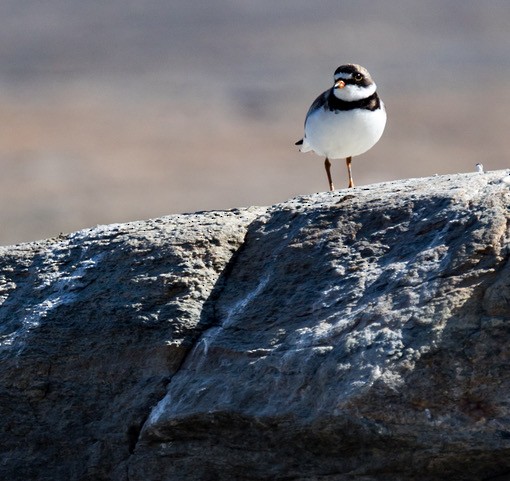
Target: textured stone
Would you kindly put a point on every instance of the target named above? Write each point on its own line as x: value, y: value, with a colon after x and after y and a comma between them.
x: 354, y: 335
x: 93, y: 326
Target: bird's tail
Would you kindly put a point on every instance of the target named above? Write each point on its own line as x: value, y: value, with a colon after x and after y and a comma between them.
x: 305, y: 146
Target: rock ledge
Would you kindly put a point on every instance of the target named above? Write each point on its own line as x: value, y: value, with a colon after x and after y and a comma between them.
x: 354, y: 335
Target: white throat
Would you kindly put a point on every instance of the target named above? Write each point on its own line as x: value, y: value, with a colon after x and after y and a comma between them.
x: 351, y: 93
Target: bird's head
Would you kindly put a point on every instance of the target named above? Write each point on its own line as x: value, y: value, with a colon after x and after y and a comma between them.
x: 352, y: 82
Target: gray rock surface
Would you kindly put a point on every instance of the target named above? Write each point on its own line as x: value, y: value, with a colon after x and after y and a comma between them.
x: 355, y: 335
x: 93, y: 326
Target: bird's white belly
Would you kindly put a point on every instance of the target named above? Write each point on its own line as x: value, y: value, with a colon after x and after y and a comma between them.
x: 345, y: 133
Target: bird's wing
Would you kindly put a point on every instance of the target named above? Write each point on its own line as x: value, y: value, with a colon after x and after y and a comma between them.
x: 318, y: 103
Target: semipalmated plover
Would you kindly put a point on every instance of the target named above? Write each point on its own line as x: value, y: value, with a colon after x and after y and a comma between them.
x: 346, y: 120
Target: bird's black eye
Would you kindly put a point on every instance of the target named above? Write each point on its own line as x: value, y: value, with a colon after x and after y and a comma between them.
x: 358, y: 76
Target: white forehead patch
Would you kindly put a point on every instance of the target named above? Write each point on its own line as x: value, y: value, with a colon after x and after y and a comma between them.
x: 343, y: 76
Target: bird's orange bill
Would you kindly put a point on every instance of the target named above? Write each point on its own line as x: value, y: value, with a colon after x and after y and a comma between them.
x: 340, y: 84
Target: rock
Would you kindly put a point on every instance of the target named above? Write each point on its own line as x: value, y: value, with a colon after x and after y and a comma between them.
x: 355, y: 335
x: 93, y: 326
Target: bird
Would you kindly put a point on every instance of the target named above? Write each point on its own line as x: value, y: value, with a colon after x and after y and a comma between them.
x: 346, y: 120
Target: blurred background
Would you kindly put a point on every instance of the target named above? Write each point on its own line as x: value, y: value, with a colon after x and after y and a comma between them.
x: 123, y: 110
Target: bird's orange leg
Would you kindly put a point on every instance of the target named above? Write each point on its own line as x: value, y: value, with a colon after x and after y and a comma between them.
x: 327, y: 165
x: 348, y: 161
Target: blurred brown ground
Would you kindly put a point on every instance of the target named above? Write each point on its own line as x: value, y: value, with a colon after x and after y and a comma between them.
x: 125, y: 111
